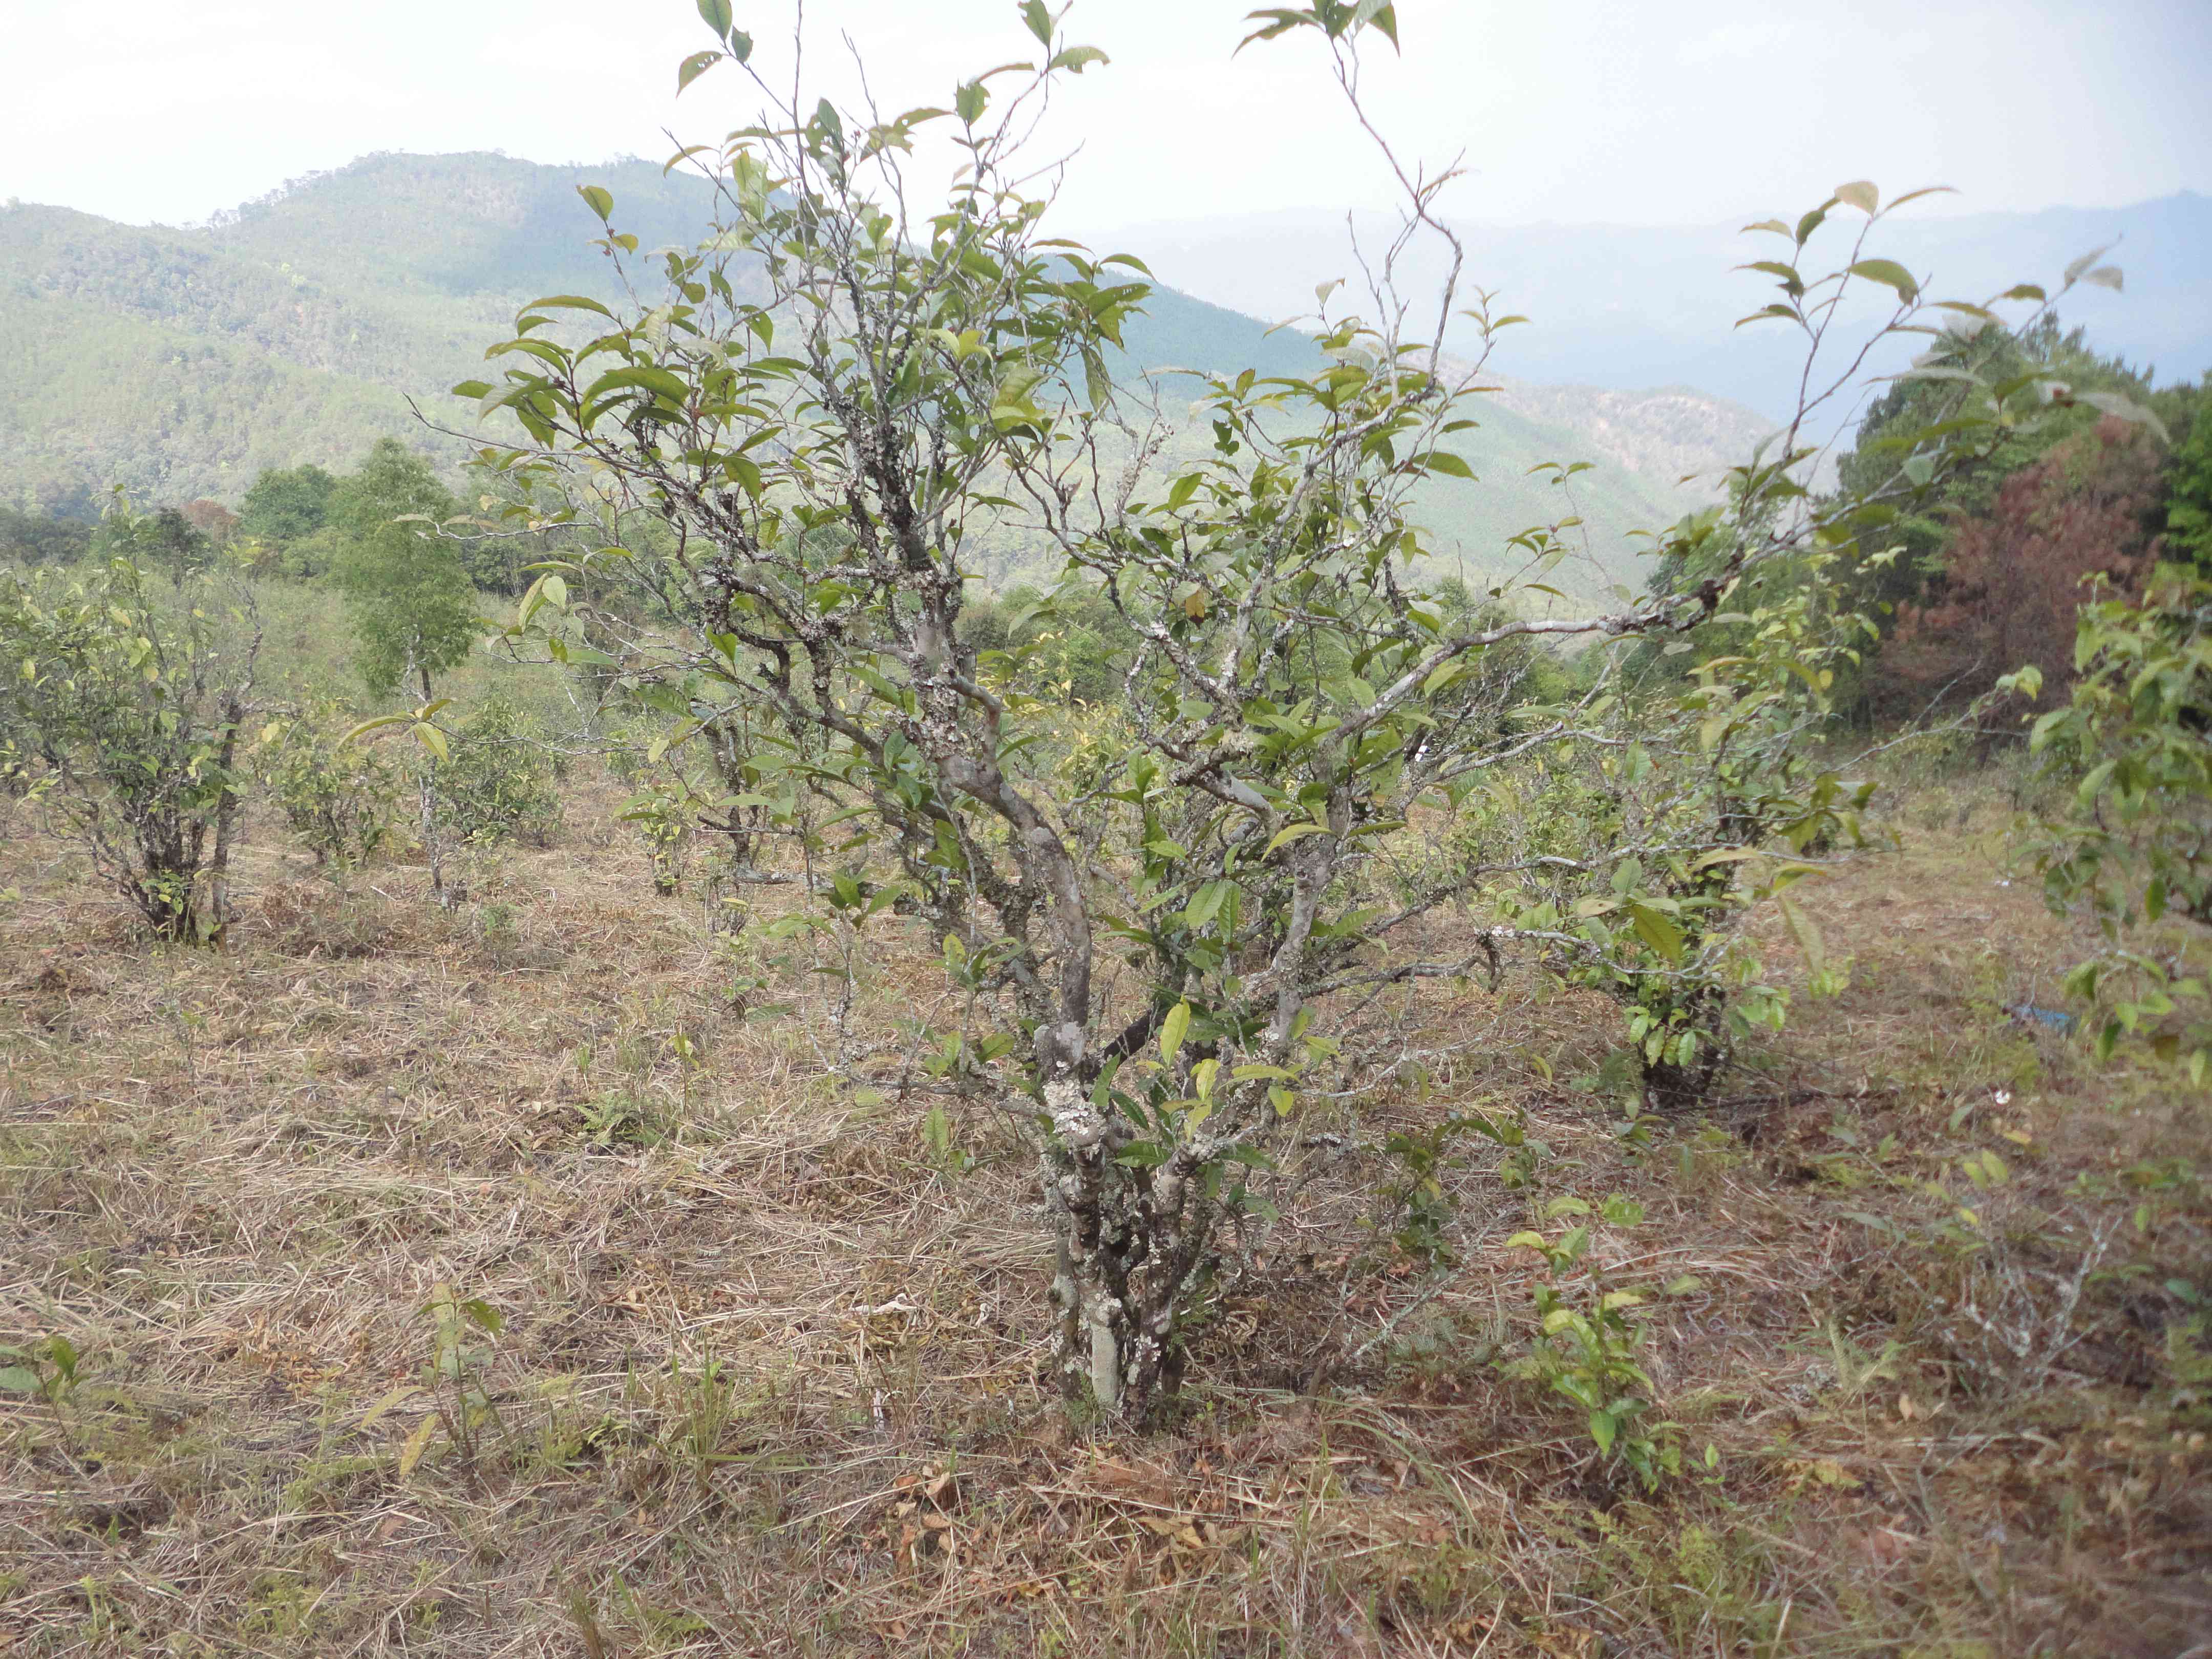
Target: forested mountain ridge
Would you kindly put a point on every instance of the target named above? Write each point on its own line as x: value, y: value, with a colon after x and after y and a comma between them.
x: 180, y: 362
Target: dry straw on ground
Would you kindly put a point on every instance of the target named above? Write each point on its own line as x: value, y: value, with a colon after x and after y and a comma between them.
x: 769, y: 1376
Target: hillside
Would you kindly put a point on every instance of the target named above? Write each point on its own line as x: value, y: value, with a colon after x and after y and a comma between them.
x: 179, y: 363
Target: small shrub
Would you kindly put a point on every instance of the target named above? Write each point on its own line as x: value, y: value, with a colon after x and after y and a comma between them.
x: 663, y: 819
x: 342, y: 802
x: 46, y: 1368
x: 123, y: 715
x: 454, y: 1395
x: 697, y: 1410
x: 495, y: 921
x: 498, y: 786
x: 1588, y: 1341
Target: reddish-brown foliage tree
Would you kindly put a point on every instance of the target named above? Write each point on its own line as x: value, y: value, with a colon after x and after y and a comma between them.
x: 2014, y: 578
x: 211, y: 519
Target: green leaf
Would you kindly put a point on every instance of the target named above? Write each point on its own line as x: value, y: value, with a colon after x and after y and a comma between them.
x: 1764, y: 312
x: 1890, y: 274
x: 1293, y: 832
x: 1206, y: 904
x: 971, y: 101
x: 1039, y: 21
x: 1173, y: 1030
x: 2076, y: 268
x: 1443, y: 461
x: 1786, y: 273
x: 368, y: 726
x: 600, y: 200
x: 14, y: 1379
x: 1803, y: 930
x: 1656, y: 929
x: 1076, y: 59
x: 1726, y: 856
x: 715, y: 14
x: 432, y: 739
x: 399, y: 1397
x: 566, y: 302
x: 1281, y: 20
x: 1381, y: 16
x: 659, y: 381
x: 694, y: 66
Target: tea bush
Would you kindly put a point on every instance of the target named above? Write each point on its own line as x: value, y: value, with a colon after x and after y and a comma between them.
x: 342, y: 800
x: 123, y: 712
x: 498, y: 784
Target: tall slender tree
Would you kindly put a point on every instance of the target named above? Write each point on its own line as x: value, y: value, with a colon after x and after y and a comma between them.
x: 414, y: 608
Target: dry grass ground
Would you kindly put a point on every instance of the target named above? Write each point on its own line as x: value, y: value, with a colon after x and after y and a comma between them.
x: 768, y: 1378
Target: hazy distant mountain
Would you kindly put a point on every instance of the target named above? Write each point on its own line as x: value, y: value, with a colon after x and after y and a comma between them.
x: 180, y: 362
x: 1632, y: 308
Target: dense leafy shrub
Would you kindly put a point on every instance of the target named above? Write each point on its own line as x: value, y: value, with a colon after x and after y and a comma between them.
x: 2133, y: 846
x: 498, y: 784
x: 287, y: 504
x: 2189, y: 497
x: 123, y: 712
x: 342, y: 800
x: 165, y: 540
x: 33, y: 538
x: 1648, y: 868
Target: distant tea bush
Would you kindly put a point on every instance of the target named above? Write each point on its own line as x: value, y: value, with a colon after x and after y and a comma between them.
x: 342, y: 800
x: 500, y: 783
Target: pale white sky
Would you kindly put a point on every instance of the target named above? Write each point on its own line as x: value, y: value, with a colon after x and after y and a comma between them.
x: 1620, y: 111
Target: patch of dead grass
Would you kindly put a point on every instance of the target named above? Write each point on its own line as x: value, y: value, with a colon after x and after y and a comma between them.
x: 771, y: 1378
